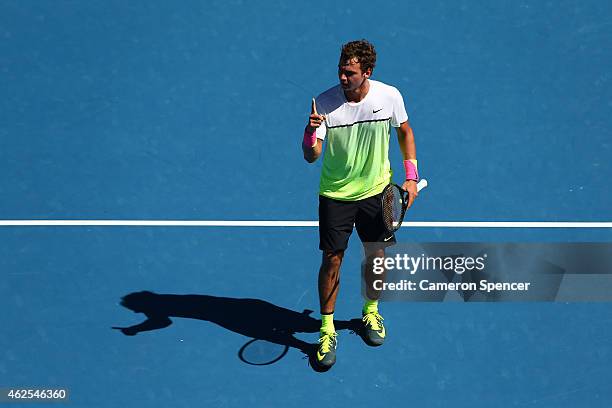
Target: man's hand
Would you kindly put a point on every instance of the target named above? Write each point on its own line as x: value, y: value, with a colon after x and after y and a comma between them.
x: 311, y: 146
x: 315, y: 119
x: 411, y: 187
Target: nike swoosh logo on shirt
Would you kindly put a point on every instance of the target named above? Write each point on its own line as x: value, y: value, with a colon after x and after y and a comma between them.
x: 376, y: 111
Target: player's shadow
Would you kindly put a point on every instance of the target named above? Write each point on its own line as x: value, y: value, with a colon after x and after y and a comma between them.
x: 254, y: 318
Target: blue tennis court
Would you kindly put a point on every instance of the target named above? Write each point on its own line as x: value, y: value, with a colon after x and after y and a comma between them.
x: 194, y: 111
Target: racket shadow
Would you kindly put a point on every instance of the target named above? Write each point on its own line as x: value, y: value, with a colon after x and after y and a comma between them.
x: 253, y: 318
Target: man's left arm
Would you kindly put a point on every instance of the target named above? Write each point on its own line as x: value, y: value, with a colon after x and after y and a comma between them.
x: 407, y: 145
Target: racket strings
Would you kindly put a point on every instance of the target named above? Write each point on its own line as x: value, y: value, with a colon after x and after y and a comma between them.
x: 392, y: 207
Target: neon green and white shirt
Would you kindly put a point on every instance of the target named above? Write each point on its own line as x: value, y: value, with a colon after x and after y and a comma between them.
x: 356, y: 159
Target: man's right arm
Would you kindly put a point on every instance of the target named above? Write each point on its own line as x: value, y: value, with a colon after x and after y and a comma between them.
x: 311, y: 145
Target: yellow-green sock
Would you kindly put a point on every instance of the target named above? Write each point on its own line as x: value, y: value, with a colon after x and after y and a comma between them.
x: 370, y: 306
x: 327, y: 323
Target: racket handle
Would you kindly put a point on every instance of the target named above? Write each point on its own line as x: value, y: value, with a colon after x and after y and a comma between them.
x: 421, y: 184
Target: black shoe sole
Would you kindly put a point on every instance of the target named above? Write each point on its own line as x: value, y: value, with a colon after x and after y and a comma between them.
x: 367, y: 340
x: 314, y: 363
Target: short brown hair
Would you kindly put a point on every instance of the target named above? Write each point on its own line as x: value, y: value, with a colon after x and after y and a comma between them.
x: 361, y: 50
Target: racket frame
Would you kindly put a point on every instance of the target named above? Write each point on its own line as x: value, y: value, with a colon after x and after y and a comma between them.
x: 404, y: 199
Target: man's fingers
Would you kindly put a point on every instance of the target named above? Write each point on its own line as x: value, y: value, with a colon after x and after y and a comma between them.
x: 315, y: 119
x: 410, y: 200
x: 413, y: 195
x: 314, y: 116
x: 318, y: 119
x: 410, y: 188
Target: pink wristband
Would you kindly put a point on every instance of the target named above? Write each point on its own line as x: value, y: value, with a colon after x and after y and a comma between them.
x: 411, y: 171
x: 310, y: 139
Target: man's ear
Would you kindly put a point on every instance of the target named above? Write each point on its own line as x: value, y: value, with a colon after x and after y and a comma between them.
x: 368, y: 73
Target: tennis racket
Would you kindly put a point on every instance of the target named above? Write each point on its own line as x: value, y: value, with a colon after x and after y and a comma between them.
x: 394, y: 204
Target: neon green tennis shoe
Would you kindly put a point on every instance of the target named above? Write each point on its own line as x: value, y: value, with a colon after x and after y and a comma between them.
x: 373, y: 329
x: 326, y: 353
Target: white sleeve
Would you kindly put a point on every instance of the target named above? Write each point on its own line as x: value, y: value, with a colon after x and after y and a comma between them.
x: 321, y: 131
x: 399, y: 114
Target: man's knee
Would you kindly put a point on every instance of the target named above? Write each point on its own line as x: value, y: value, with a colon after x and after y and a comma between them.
x: 373, y: 250
x: 332, y: 259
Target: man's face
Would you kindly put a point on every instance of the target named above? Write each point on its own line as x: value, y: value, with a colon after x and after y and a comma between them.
x: 350, y: 74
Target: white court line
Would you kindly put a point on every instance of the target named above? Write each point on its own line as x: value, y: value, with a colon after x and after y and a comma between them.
x: 247, y: 223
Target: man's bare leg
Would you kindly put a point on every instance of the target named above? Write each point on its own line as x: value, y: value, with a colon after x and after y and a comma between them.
x: 370, y: 276
x: 329, y: 280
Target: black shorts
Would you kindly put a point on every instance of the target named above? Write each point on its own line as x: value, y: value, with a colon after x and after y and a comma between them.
x: 336, y: 220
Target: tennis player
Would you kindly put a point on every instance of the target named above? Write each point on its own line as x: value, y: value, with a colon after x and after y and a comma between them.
x: 355, y: 118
